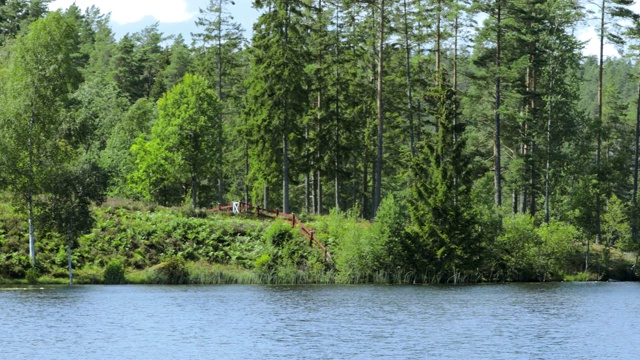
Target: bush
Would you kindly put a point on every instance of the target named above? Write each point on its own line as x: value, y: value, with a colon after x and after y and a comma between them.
x: 389, y: 239
x: 529, y: 253
x: 32, y: 276
x: 173, y: 271
x: 114, y: 272
x: 278, y: 234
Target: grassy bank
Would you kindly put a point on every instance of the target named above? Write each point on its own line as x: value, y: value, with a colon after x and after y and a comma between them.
x: 140, y: 244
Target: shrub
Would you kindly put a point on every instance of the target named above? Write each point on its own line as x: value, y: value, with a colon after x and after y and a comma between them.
x: 114, y: 272
x: 278, y: 234
x: 389, y: 240
x: 32, y: 276
x: 262, y: 263
x: 173, y: 271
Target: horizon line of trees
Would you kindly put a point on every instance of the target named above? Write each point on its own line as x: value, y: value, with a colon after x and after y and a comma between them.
x: 331, y: 105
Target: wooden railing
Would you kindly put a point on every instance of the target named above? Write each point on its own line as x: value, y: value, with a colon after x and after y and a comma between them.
x: 259, y: 212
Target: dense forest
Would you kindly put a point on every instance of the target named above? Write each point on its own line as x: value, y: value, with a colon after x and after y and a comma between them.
x: 475, y: 135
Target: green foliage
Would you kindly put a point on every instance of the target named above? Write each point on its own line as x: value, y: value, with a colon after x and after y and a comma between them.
x: 390, y: 246
x: 581, y: 276
x: 172, y: 271
x: 441, y: 207
x: 350, y: 237
x: 32, y: 276
x: 525, y: 252
x: 288, y: 258
x: 276, y: 97
x: 79, y: 113
x: 114, y: 273
x: 184, y: 144
x: 616, y: 228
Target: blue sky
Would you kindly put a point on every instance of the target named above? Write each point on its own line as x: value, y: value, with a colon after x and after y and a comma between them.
x: 174, y: 16
x: 178, y: 17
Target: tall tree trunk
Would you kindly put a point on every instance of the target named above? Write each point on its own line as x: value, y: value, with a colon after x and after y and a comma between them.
x: 194, y: 191
x: 336, y: 180
x: 221, y: 151
x: 285, y: 174
x: 337, y: 112
x: 547, y: 175
x: 285, y: 134
x: 378, y: 172
x: 321, y: 84
x: 455, y: 73
x: 523, y: 191
x: 318, y: 157
x: 313, y: 192
x: 354, y: 181
x: 408, y: 71
x: 306, y: 175
x: 533, y: 88
x: 634, y: 229
x: 532, y: 179
x: 32, y: 237
x: 598, y: 138
x: 246, y: 172
x: 69, y: 255
x: 497, y: 180
x: 319, y: 193
x: 365, y: 187
x: 438, y: 37
x: 455, y: 92
x: 265, y: 197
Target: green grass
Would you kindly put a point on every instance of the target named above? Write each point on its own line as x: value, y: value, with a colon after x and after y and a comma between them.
x: 582, y: 276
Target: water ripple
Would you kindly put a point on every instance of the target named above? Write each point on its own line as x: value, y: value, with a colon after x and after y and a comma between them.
x: 519, y: 321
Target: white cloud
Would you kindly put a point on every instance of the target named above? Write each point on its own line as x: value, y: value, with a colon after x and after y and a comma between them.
x: 131, y: 11
x: 592, y: 47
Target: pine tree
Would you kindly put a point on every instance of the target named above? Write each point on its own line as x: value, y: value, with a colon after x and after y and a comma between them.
x: 277, y: 94
x: 441, y: 208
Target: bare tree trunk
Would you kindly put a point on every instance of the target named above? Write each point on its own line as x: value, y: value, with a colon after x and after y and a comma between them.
x: 318, y: 157
x: 634, y: 229
x: 523, y: 191
x: 532, y: 180
x: 32, y: 238
x: 354, y: 181
x: 547, y: 175
x: 69, y: 256
x: 306, y: 175
x: 438, y: 37
x: 408, y: 70
x: 285, y: 140
x: 598, y: 137
x: 221, y: 152
x: 378, y: 172
x: 337, y: 111
x: 194, y: 192
x: 285, y: 174
x: 265, y: 197
x: 246, y: 172
x: 533, y: 88
x: 496, y: 148
x: 365, y: 187
x: 319, y: 193
x: 313, y: 192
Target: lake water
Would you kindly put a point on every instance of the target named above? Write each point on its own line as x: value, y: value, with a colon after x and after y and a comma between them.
x: 515, y: 321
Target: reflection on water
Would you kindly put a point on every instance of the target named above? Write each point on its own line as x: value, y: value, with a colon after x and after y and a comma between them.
x: 521, y: 321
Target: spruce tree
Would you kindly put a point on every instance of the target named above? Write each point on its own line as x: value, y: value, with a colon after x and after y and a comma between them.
x: 276, y: 98
x: 440, y: 206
